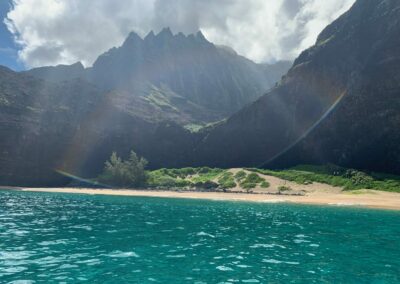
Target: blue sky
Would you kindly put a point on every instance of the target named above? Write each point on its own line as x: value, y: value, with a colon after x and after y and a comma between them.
x: 8, y: 49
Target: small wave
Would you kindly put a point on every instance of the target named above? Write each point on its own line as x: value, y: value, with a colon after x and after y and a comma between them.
x: 176, y: 256
x: 299, y: 241
x: 262, y: 246
x: 273, y: 201
x: 243, y: 266
x: 83, y: 227
x: 22, y: 282
x: 14, y: 255
x: 272, y: 261
x: 205, y: 234
x: 224, y: 268
x: 292, y: 262
x: 301, y: 236
x: 120, y: 254
x: 346, y: 204
x: 49, y: 243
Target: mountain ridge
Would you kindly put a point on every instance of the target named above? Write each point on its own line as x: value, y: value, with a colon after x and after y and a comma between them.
x: 210, y: 78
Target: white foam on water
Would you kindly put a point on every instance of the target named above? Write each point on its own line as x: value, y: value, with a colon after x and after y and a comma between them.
x: 205, y: 234
x: 224, y: 268
x: 273, y: 200
x: 272, y: 261
x: 176, y: 256
x: 346, y: 204
x: 120, y: 254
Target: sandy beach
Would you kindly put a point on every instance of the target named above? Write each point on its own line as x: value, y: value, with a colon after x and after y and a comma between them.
x: 361, y: 198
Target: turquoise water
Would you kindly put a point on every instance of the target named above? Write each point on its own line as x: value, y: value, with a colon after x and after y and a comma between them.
x: 61, y: 238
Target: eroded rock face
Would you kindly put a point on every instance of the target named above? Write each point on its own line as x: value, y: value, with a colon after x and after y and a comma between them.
x: 339, y: 103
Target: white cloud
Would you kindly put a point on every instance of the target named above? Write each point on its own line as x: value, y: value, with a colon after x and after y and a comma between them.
x: 65, y: 31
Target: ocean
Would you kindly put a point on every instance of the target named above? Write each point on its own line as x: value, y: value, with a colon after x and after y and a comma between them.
x: 67, y: 238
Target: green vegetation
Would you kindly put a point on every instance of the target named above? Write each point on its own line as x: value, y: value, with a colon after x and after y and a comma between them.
x: 194, y: 127
x: 265, y: 184
x: 226, y: 180
x: 248, y: 186
x: 284, y: 188
x: 184, y: 178
x: 349, y: 179
x: 120, y: 173
x: 251, y: 181
x: 160, y: 100
x: 240, y: 175
x: 131, y: 173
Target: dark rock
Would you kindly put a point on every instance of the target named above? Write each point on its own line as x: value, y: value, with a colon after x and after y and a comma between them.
x: 339, y: 103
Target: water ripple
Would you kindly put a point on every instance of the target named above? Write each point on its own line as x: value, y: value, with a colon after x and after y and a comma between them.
x: 71, y: 238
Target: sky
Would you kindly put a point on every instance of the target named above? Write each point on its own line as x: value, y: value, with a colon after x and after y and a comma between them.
x: 37, y: 33
x: 8, y: 48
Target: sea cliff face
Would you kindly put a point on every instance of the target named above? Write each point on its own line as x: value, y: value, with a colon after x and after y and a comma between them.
x: 338, y: 104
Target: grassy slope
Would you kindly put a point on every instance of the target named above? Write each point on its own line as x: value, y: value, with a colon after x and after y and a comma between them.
x: 349, y: 179
x: 209, y: 178
x: 212, y: 178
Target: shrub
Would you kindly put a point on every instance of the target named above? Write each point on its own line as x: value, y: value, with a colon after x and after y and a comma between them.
x: 184, y: 172
x: 284, y: 188
x: 204, y: 170
x: 265, y: 184
x: 207, y: 174
x: 183, y: 183
x: 254, y: 178
x: 359, y: 179
x: 240, y: 175
x: 166, y: 181
x: 226, y: 180
x: 248, y: 186
x: 206, y: 185
x: 129, y: 173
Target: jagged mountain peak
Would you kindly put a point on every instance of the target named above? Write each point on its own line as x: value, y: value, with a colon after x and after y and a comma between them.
x: 188, y: 65
x: 165, y: 33
x: 132, y: 39
x: 150, y: 36
x: 200, y: 36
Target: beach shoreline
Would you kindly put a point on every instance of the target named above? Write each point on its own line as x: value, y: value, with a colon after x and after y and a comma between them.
x: 366, y: 198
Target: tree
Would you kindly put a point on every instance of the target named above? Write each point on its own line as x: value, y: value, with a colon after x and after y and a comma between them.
x: 129, y: 173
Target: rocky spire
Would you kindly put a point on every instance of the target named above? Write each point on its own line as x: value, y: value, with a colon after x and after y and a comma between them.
x: 132, y: 39
x: 165, y: 33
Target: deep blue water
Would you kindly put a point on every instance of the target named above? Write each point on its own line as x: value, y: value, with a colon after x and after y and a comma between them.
x: 61, y: 238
